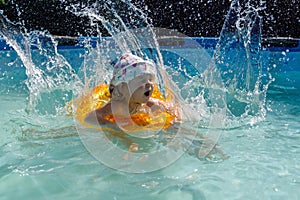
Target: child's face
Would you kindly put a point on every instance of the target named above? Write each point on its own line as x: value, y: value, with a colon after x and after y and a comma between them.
x: 141, y: 88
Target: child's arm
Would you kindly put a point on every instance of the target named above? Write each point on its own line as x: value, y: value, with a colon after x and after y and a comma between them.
x: 97, y: 116
x: 170, y: 107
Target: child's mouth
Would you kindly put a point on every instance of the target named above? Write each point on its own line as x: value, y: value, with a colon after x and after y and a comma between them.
x: 147, y: 94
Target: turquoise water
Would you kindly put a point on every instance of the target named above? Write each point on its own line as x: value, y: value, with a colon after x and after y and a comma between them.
x: 43, y: 157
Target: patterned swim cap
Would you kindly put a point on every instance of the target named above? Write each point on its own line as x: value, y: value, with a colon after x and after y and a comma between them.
x: 130, y: 66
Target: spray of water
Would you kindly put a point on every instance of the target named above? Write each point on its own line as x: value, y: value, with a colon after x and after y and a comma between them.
x: 49, y: 75
x: 129, y: 28
x: 236, y: 71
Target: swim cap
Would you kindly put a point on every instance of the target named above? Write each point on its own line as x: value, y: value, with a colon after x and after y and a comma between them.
x: 130, y: 66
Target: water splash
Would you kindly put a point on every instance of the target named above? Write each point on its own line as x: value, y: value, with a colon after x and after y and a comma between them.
x: 49, y: 76
x: 130, y: 29
x: 236, y: 71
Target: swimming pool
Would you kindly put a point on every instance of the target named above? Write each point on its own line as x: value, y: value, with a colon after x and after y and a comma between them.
x: 242, y: 91
x: 43, y: 157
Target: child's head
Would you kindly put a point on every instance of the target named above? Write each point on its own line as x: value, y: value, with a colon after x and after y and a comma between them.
x: 134, y: 77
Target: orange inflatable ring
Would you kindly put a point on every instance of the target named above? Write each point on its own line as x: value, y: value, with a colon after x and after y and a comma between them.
x: 100, y: 95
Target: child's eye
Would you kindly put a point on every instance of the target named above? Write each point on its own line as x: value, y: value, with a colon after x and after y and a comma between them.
x: 149, y: 80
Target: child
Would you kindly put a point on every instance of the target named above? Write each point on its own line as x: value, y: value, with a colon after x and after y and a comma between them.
x: 131, y: 88
x: 132, y: 102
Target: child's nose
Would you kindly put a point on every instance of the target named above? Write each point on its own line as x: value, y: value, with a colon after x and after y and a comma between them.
x: 149, y: 84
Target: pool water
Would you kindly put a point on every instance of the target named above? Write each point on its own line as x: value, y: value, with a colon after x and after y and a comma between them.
x: 43, y: 157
